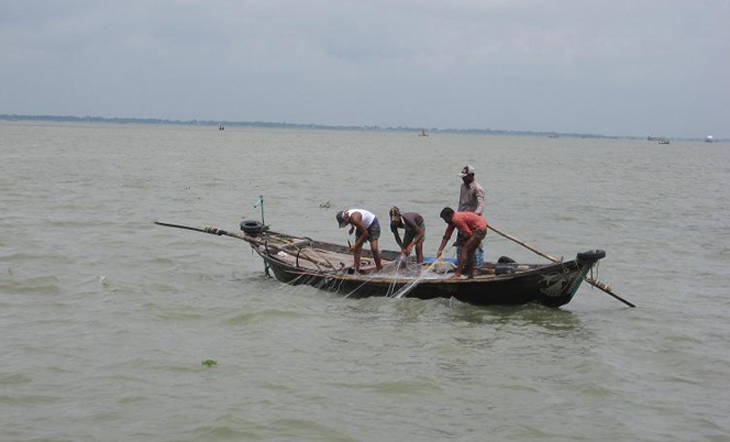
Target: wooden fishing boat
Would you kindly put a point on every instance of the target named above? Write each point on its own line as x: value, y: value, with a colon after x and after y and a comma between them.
x: 327, y: 266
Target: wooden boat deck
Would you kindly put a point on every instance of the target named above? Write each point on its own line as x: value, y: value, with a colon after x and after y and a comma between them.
x: 308, y: 255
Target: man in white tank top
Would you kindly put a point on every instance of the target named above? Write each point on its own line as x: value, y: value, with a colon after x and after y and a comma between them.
x: 368, y: 229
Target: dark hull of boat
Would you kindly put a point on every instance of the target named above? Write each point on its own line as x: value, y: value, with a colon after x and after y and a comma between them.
x: 329, y: 266
x: 551, y: 285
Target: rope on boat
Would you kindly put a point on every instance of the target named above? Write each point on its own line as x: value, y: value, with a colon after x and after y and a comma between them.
x: 408, y: 287
x: 598, y: 263
x: 391, y: 287
x: 368, y: 280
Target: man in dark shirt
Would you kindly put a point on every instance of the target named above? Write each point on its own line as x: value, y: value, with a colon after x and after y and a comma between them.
x: 415, y: 231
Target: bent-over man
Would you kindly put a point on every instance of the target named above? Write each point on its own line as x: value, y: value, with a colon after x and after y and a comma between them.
x: 367, y: 228
x: 414, y: 231
x: 473, y: 230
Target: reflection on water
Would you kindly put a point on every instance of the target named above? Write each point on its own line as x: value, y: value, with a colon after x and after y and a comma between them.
x: 531, y: 314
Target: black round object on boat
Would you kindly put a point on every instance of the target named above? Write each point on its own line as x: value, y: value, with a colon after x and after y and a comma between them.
x: 591, y: 255
x: 504, y: 270
x: 252, y: 228
x: 505, y: 260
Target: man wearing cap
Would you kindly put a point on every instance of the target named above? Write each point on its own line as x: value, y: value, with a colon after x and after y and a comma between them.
x: 473, y: 229
x: 471, y: 199
x: 367, y: 228
x: 415, y: 230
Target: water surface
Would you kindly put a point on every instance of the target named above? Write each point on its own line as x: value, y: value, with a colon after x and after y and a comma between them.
x: 106, y: 318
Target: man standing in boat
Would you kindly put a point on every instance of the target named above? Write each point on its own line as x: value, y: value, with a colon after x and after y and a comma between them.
x: 471, y: 199
x: 415, y: 230
x: 367, y: 228
x: 473, y: 230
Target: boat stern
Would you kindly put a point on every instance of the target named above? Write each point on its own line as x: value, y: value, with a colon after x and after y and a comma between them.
x: 558, y: 287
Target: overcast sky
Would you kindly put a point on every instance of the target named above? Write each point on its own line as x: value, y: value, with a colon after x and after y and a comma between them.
x: 613, y: 67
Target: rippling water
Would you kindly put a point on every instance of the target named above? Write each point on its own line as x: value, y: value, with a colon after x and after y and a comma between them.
x: 105, y: 318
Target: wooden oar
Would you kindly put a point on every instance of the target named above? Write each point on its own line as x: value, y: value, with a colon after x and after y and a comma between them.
x: 178, y: 226
x: 219, y: 232
x: 523, y: 244
x: 591, y: 281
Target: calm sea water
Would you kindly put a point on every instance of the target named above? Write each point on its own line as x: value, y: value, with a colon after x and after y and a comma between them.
x: 106, y: 318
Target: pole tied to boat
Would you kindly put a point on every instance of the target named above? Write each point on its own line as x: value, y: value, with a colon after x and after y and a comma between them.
x: 260, y: 203
x: 594, y: 282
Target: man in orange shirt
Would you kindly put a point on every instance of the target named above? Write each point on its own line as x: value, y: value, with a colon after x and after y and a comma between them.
x: 473, y: 229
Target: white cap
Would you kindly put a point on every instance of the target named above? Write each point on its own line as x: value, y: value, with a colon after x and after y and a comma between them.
x: 467, y: 170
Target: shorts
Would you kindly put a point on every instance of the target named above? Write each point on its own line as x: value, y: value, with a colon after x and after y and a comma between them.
x: 409, y: 235
x: 481, y: 234
x: 373, y: 231
x: 479, y: 252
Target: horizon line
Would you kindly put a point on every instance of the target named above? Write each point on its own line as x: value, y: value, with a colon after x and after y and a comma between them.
x: 316, y: 126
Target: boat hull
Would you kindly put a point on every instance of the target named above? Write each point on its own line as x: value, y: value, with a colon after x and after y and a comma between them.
x: 329, y: 266
x: 551, y: 285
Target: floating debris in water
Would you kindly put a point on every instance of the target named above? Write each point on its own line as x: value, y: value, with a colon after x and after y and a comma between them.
x: 209, y: 363
x: 326, y: 205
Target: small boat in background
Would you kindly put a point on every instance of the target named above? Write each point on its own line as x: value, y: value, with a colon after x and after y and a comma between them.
x: 709, y: 139
x: 663, y: 140
x: 423, y: 133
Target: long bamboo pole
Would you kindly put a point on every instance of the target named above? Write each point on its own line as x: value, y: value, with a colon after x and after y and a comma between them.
x: 595, y: 283
x: 219, y: 232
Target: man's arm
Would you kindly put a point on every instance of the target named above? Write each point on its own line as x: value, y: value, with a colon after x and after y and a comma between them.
x: 447, y: 236
x: 397, y: 237
x: 481, y: 204
x: 356, y: 220
x: 419, y: 234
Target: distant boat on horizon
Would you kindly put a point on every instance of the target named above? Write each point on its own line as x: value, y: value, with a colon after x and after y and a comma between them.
x: 663, y: 140
x: 709, y: 139
x: 423, y: 133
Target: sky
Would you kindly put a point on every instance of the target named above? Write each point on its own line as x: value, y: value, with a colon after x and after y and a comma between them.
x: 610, y: 67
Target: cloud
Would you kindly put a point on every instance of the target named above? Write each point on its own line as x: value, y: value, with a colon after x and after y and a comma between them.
x: 519, y: 64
